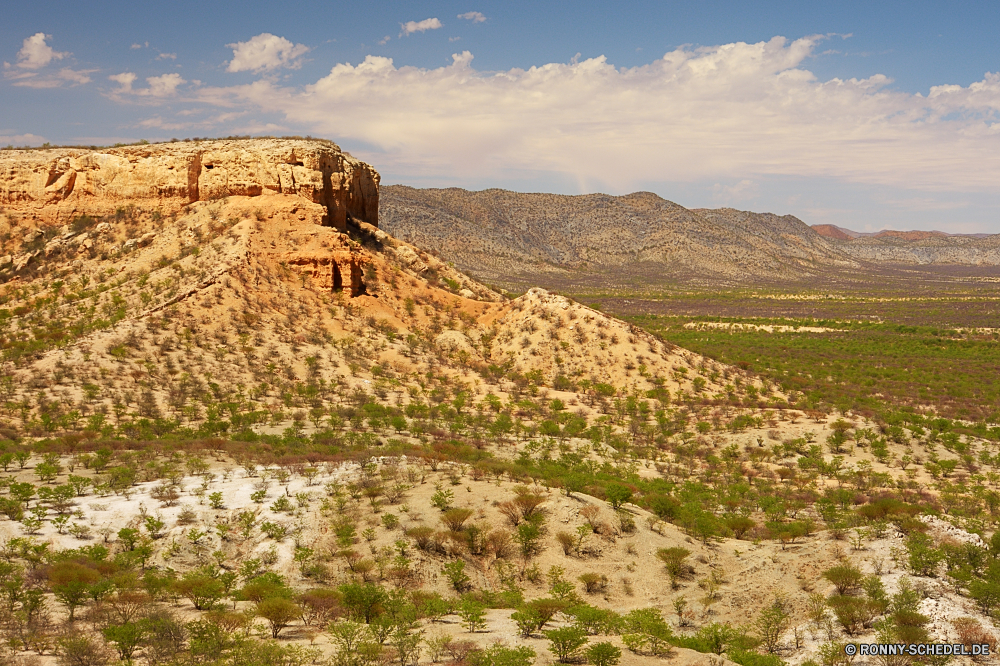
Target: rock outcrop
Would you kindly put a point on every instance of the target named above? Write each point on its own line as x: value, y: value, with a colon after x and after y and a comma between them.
x: 56, y: 184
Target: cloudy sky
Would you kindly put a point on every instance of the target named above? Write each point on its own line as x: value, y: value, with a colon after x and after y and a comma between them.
x: 864, y: 114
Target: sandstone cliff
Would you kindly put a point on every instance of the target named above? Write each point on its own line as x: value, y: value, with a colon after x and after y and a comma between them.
x: 57, y: 184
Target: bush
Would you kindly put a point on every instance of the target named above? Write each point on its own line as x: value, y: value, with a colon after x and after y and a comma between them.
x: 455, y: 519
x: 593, y: 582
x: 604, y: 654
x: 595, y: 620
x: 673, y: 560
x: 422, y: 535
x: 527, y: 620
x: 617, y: 495
x: 473, y: 615
x: 568, y: 542
x: 566, y: 642
x: 455, y: 572
x: 498, y: 655
x: 279, y: 613
x: 846, y: 578
x: 922, y: 557
x: 82, y: 650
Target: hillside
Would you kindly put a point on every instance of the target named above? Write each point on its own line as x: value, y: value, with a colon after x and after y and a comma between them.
x: 503, y: 237
x: 241, y: 424
x: 599, y: 241
x: 840, y: 233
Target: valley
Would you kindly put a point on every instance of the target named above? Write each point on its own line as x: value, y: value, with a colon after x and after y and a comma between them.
x: 256, y: 408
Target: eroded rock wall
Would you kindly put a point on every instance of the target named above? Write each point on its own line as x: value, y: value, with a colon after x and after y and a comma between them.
x: 57, y: 184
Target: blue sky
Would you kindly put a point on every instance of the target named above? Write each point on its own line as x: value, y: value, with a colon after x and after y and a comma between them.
x: 868, y: 115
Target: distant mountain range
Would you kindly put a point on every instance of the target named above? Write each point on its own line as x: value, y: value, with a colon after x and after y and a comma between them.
x: 511, y: 238
x: 840, y: 233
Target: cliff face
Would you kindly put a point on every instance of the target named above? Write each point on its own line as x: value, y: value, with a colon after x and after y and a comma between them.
x: 57, y: 184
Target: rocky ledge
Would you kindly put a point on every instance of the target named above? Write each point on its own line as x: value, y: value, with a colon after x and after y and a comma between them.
x: 55, y: 185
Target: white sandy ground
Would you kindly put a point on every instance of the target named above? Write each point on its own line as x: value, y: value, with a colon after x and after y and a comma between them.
x: 769, y: 328
x: 941, y: 603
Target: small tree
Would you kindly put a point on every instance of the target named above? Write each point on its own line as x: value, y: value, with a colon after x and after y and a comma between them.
x: 673, y: 560
x: 604, y: 654
x: 127, y: 638
x: 772, y: 623
x: 847, y: 578
x: 279, y: 613
x: 566, y: 642
x: 455, y: 572
x: 201, y: 589
x: 593, y: 582
x: 499, y: 655
x: 527, y: 619
x: 82, y: 650
x: 70, y: 583
x: 617, y: 495
x: 473, y: 615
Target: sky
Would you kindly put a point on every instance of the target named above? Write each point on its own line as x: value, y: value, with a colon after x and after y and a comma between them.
x: 868, y: 115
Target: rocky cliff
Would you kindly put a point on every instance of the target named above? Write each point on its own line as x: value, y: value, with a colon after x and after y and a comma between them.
x: 57, y: 184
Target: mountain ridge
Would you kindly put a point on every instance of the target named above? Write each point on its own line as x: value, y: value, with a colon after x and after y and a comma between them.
x: 843, y: 233
x: 512, y: 238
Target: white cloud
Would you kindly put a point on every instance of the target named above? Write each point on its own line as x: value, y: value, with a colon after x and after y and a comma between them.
x: 411, y: 27
x: 75, y: 76
x: 32, y: 60
x: 718, y: 114
x: 35, y: 53
x: 157, y: 87
x: 124, y: 80
x: 167, y: 56
x: 10, y: 139
x: 265, y: 52
x: 384, y: 40
x: 745, y: 190
x: 475, y: 17
x: 164, y: 85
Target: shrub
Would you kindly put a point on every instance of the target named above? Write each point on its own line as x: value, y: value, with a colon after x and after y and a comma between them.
x: 566, y: 642
x: 846, y: 578
x: 279, y: 613
x: 593, y: 582
x: 275, y: 531
x: 673, y: 560
x: 455, y: 572
x: 528, y: 621
x: 604, y: 654
x: 499, y: 655
x: 922, y: 557
x: 617, y: 495
x: 422, y: 535
x: 971, y: 632
x: 567, y: 540
x: 455, y: 519
x: 473, y: 615
x: 772, y: 623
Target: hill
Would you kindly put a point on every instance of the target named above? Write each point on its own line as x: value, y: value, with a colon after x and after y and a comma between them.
x: 241, y: 424
x: 840, y: 233
x: 499, y: 236
x: 518, y: 239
